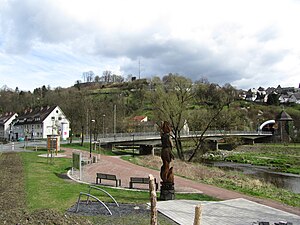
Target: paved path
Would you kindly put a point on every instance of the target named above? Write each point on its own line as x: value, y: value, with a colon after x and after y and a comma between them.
x: 124, y: 170
x: 13, y: 147
x: 230, y: 212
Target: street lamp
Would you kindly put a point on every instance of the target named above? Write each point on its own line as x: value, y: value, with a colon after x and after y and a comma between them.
x: 92, y: 121
x: 103, y: 132
x: 133, y: 145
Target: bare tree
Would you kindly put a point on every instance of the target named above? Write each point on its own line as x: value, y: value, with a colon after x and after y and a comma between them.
x: 171, y: 100
x: 212, y: 100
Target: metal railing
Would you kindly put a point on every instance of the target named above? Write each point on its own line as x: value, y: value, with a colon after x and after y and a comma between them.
x: 94, y: 197
x: 100, y: 189
x: 89, y: 195
x: 149, y: 135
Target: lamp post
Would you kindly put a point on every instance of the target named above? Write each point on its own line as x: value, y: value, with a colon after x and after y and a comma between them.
x: 103, y: 131
x: 92, y: 121
x: 133, y: 145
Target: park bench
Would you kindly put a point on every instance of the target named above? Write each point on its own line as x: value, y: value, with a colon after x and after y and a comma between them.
x: 141, y: 180
x: 105, y: 176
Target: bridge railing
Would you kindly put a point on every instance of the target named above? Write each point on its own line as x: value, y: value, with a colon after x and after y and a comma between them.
x: 234, y: 132
x: 138, y: 135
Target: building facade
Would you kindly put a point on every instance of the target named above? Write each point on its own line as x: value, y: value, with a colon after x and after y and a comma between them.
x: 6, y: 120
x: 38, y: 123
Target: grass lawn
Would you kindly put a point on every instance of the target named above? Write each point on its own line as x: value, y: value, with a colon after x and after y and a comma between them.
x: 47, y: 188
x: 284, y: 158
x: 231, y: 180
x: 86, y: 147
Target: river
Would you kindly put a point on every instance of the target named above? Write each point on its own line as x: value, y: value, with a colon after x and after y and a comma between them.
x: 287, y: 181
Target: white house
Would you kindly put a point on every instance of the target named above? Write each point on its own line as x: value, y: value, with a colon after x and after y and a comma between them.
x: 294, y: 98
x: 6, y: 125
x: 38, y: 123
x: 251, y: 94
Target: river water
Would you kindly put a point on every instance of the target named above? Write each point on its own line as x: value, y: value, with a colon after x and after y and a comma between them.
x: 287, y: 181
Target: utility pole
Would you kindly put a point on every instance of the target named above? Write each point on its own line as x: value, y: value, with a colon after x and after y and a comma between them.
x: 103, y: 132
x: 115, y: 119
x: 90, y: 127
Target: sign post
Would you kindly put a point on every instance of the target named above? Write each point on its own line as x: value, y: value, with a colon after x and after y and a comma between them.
x: 77, y: 163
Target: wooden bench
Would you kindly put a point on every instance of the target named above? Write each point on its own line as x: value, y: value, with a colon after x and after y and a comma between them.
x: 105, y: 176
x: 141, y: 180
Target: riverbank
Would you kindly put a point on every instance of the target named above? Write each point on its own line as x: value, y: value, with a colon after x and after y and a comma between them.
x: 281, y: 158
x: 230, y: 180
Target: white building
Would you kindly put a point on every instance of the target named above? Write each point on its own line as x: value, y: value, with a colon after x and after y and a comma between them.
x: 38, y: 123
x: 6, y: 125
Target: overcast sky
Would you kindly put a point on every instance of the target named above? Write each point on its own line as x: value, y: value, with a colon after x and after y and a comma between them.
x: 247, y: 43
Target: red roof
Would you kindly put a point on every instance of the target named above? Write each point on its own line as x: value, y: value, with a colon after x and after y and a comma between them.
x: 139, y: 118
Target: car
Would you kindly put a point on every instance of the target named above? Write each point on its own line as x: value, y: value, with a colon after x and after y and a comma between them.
x: 21, y: 139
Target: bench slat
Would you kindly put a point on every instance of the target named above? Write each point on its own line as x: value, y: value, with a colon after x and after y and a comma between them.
x: 108, y: 177
x: 140, y: 180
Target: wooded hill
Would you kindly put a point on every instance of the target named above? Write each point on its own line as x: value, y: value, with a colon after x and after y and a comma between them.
x: 174, y: 98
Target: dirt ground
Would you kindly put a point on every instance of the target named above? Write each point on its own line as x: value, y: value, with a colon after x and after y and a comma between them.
x: 12, y: 198
x: 13, y: 210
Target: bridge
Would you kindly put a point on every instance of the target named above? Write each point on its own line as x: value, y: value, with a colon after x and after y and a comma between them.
x: 146, y: 141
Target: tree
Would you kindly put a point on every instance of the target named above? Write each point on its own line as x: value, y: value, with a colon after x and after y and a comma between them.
x: 273, y: 99
x: 171, y: 100
x: 211, y: 100
x: 97, y: 79
x: 107, y: 76
x: 77, y: 84
x: 74, y: 106
x: 88, y: 76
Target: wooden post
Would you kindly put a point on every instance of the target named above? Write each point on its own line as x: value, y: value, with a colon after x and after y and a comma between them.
x: 153, y: 200
x: 198, y: 211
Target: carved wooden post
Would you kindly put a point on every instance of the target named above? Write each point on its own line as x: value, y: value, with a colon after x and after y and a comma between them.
x: 152, y: 190
x: 198, y: 211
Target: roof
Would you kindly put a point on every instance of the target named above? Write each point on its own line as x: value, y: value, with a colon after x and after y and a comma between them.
x: 297, y: 95
x: 261, y: 89
x: 4, y: 117
x: 139, y: 118
x: 283, y: 116
x: 34, y: 116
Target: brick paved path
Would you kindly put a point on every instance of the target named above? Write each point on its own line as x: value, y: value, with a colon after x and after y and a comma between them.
x: 124, y: 170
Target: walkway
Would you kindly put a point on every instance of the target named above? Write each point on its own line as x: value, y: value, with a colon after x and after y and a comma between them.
x: 124, y: 170
x: 230, y: 212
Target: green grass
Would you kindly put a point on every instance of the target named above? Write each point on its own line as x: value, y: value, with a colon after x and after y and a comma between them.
x: 250, y: 187
x: 231, y: 180
x: 46, y: 189
x: 281, y: 157
x: 86, y: 147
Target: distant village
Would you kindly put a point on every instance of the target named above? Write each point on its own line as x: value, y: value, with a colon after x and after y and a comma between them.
x: 285, y: 95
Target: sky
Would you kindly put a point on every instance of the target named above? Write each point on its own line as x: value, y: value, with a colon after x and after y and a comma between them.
x: 247, y: 43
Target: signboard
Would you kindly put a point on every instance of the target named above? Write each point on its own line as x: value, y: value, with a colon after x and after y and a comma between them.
x: 64, y: 131
x: 76, y: 162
